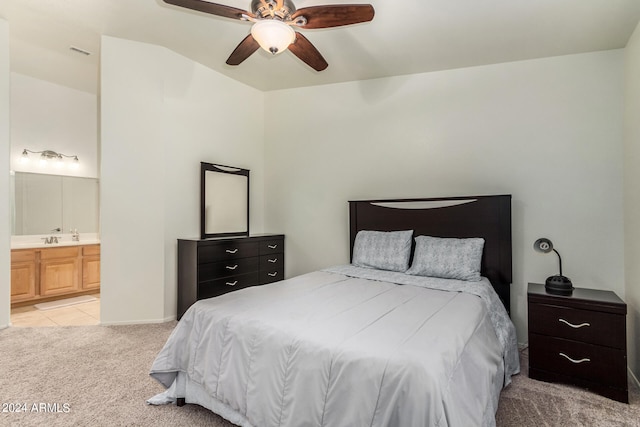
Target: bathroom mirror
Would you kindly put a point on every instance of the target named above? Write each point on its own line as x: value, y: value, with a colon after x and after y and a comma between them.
x: 41, y: 203
x: 224, y: 201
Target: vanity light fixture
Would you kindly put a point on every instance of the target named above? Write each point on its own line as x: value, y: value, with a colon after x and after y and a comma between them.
x: 47, y: 155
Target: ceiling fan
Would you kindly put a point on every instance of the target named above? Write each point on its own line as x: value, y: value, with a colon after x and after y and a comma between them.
x: 273, y: 20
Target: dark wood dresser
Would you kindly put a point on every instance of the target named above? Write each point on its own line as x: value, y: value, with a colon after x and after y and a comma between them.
x: 212, y: 267
x: 579, y: 339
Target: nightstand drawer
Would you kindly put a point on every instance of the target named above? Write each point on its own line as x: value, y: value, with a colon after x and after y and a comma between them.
x: 232, y: 267
x: 592, y: 327
x: 217, y: 287
x: 578, y: 360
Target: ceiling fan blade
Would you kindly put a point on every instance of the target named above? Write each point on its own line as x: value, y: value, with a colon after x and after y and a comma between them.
x: 303, y: 49
x: 243, y: 50
x: 334, y: 15
x: 212, y: 8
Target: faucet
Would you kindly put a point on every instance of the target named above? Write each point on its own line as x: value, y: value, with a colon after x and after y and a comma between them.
x: 52, y: 239
x: 75, y: 236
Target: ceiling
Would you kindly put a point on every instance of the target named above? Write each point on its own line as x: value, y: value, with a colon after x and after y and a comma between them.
x: 405, y: 37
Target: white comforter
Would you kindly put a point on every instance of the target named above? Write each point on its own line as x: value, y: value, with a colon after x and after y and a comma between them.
x: 328, y: 349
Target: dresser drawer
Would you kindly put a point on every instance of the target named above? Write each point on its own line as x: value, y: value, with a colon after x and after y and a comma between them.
x: 221, y: 251
x: 593, y: 327
x: 589, y: 362
x: 272, y: 262
x: 272, y: 246
x: 232, y: 267
x: 270, y: 276
x: 217, y: 287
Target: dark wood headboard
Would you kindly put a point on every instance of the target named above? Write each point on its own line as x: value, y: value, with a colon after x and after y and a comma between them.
x: 488, y: 217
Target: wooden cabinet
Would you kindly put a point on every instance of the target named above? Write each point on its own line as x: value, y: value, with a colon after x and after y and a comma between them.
x: 212, y: 267
x: 59, y: 271
x: 49, y: 273
x: 91, y: 267
x: 23, y: 275
x: 579, y: 339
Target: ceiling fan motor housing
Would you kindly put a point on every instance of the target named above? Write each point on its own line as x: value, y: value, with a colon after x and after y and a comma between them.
x: 268, y: 9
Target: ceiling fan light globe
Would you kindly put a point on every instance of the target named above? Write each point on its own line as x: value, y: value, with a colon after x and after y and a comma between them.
x: 272, y: 35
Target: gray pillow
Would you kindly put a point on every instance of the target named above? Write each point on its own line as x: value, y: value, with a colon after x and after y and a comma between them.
x: 447, y: 258
x: 384, y: 250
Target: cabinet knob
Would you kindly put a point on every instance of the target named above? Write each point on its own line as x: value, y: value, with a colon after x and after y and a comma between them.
x: 581, y: 325
x: 232, y: 283
x: 272, y: 246
x: 232, y: 267
x: 232, y: 251
x: 274, y: 274
x: 273, y: 260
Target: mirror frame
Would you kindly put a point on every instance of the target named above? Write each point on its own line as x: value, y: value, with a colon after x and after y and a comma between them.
x: 211, y: 167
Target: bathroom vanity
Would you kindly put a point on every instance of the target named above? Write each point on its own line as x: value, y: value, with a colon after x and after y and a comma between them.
x: 46, y: 272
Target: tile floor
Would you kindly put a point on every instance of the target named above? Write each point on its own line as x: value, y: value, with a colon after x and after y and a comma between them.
x: 87, y: 313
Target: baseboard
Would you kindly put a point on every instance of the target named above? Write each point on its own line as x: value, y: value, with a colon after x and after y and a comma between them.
x: 138, y: 322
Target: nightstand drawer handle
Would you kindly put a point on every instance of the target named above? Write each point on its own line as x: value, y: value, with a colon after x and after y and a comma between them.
x: 232, y: 283
x: 574, y: 361
x: 273, y: 274
x: 229, y: 251
x: 572, y: 325
x: 273, y: 260
x: 272, y: 246
x: 232, y: 267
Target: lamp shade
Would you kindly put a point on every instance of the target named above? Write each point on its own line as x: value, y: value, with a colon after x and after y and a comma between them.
x: 272, y: 35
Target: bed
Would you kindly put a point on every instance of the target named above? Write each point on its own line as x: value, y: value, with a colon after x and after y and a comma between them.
x: 382, y: 341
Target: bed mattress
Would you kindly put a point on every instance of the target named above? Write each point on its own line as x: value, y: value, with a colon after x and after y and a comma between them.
x: 344, y: 347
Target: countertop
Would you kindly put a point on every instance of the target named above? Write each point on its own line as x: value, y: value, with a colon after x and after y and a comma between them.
x: 37, y: 241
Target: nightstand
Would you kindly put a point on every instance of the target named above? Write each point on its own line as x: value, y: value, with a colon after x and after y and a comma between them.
x: 579, y: 339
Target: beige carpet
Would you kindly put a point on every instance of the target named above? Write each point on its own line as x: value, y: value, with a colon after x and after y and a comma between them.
x: 98, y: 376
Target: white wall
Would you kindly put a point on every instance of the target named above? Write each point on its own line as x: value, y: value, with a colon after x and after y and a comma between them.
x: 632, y: 198
x: 163, y: 114
x: 5, y: 221
x: 47, y: 116
x: 547, y: 131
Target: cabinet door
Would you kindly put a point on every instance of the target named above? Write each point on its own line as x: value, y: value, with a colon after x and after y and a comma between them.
x: 91, y: 272
x: 59, y: 275
x: 23, y: 275
x: 23, y: 280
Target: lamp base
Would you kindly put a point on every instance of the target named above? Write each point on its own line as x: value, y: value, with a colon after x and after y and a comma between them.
x: 558, y: 285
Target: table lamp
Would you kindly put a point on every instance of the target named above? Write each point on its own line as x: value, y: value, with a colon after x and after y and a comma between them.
x: 559, y: 284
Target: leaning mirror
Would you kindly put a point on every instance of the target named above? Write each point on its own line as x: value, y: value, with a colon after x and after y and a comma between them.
x: 224, y: 201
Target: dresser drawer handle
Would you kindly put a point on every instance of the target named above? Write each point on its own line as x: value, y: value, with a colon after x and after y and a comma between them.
x: 273, y: 260
x: 232, y: 283
x: 232, y: 267
x: 274, y: 274
x: 272, y: 246
x: 230, y: 251
x: 574, y: 361
x: 572, y: 325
